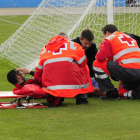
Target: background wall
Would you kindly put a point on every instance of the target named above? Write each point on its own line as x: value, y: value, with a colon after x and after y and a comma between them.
x: 19, y: 3
x: 35, y: 3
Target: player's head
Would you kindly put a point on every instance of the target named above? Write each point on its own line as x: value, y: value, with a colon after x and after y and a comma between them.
x: 108, y: 29
x: 15, y: 77
x: 86, y: 38
x: 64, y: 35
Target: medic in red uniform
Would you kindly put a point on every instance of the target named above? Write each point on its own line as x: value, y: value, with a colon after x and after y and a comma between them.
x: 119, y: 57
x: 62, y: 69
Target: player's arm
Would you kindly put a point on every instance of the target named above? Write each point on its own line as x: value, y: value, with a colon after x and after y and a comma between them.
x: 25, y: 71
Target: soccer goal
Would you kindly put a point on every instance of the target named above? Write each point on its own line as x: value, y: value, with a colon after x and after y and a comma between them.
x: 69, y: 16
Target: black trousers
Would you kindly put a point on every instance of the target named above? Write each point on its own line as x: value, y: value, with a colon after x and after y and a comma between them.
x: 130, y: 77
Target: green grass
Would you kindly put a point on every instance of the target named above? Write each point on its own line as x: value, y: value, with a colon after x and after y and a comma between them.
x: 7, y: 29
x: 4, y: 69
x: 98, y: 120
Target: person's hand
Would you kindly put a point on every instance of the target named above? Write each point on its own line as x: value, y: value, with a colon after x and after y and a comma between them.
x: 23, y: 70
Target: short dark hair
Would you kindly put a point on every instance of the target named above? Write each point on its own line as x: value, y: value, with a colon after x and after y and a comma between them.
x: 62, y: 34
x: 110, y: 28
x: 88, y: 34
x: 11, y: 76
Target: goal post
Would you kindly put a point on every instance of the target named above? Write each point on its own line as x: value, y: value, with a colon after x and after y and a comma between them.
x: 69, y: 16
x: 110, y: 12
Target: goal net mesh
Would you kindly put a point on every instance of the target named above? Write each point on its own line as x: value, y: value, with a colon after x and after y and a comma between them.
x: 69, y: 16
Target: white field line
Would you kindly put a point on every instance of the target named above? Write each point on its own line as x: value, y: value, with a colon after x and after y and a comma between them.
x: 10, y: 22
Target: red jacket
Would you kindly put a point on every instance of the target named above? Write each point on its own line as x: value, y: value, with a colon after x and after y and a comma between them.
x: 31, y: 88
x: 121, y: 48
x: 62, y: 69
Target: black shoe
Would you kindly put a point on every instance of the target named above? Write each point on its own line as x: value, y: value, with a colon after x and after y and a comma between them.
x: 60, y: 102
x: 80, y: 101
x: 111, y: 95
x: 109, y: 98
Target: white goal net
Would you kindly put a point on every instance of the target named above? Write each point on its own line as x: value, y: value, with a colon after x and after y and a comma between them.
x: 69, y: 16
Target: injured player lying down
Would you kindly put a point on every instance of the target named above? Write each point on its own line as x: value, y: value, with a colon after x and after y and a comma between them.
x: 96, y: 92
x: 31, y: 88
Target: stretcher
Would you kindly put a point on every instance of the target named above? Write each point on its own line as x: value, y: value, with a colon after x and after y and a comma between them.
x: 20, y: 101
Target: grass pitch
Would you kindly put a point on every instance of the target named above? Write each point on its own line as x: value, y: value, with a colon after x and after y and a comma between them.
x: 98, y: 120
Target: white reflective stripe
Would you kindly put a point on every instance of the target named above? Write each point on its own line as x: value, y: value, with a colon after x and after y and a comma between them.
x: 58, y: 60
x: 130, y: 93
x: 103, y: 76
x: 72, y: 45
x: 66, y: 87
x: 110, y: 37
x: 125, y: 94
x: 98, y: 69
x: 130, y: 60
x: 82, y: 59
x: 44, y: 50
x: 125, y: 52
x: 39, y: 67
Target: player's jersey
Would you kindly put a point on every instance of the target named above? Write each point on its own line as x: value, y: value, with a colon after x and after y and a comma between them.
x: 62, y: 69
x: 125, y: 50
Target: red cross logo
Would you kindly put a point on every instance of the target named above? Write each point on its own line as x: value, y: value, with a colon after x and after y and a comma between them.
x: 127, y: 39
x: 63, y: 47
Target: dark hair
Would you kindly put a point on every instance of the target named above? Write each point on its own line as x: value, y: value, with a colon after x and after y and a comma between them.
x: 11, y: 76
x: 110, y: 28
x: 62, y: 34
x: 88, y: 34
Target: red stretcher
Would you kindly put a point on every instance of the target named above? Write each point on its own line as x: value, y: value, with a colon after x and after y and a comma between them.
x: 20, y: 101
